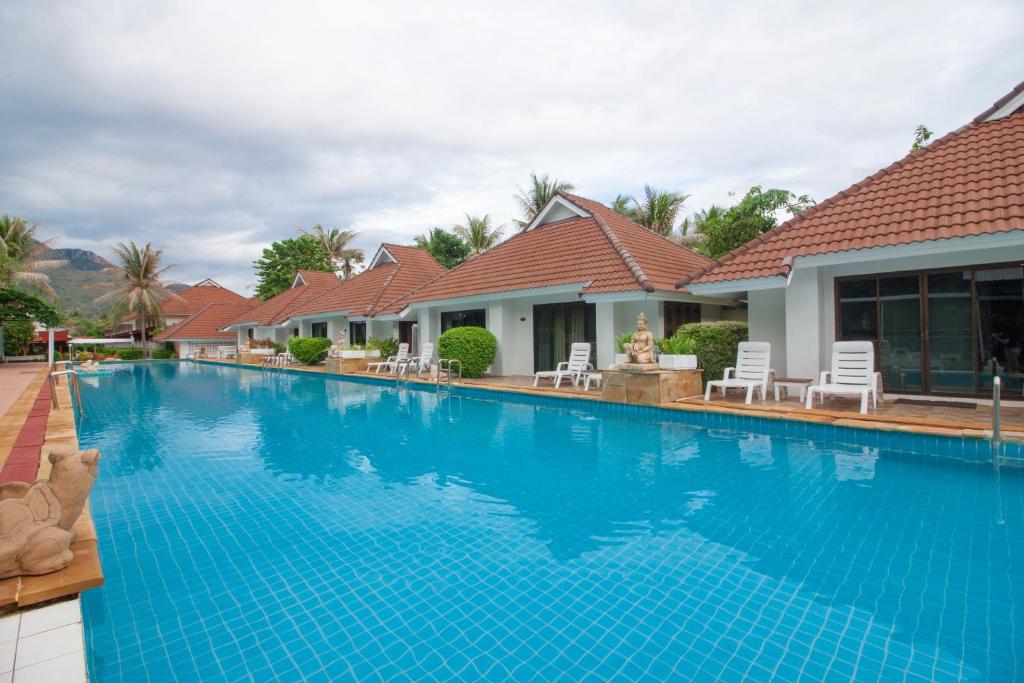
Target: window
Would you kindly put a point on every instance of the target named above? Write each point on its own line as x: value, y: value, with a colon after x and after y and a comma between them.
x: 678, y: 313
x: 357, y: 333
x: 475, y: 318
x: 295, y: 332
x: 939, y: 331
x: 250, y: 334
x: 319, y: 330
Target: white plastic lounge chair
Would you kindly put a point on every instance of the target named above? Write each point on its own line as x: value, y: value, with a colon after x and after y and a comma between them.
x: 578, y: 363
x: 422, y: 362
x: 852, y: 374
x: 752, y: 371
x: 595, y: 377
x: 390, y: 364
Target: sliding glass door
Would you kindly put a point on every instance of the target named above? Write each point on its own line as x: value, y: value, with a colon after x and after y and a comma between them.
x: 944, y: 332
x: 556, y: 327
x: 950, y: 335
x: 1000, y: 312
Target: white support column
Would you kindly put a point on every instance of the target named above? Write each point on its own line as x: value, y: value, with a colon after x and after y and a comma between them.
x: 803, y: 324
x: 49, y: 346
x: 605, y: 323
x: 305, y: 328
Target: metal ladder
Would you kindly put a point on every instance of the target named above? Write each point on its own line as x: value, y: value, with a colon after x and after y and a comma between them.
x: 997, y: 437
x: 445, y: 368
x: 73, y: 389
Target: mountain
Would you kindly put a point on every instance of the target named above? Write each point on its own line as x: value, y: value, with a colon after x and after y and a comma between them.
x: 81, y: 280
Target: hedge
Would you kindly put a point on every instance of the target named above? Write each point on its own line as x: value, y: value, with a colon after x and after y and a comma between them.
x: 715, y: 344
x: 474, y: 347
x: 163, y: 354
x: 308, y: 350
x: 129, y: 354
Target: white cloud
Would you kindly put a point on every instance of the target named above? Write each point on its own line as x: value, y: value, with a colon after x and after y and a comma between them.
x: 213, y: 128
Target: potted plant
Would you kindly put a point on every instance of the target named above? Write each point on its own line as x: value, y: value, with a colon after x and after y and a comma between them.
x: 354, y: 351
x: 621, y: 343
x: 676, y: 353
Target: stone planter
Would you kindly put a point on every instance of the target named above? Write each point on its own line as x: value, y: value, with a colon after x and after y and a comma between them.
x: 360, y: 353
x: 621, y: 358
x: 677, y: 362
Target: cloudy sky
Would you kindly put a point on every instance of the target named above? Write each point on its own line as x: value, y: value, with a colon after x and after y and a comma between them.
x: 213, y: 128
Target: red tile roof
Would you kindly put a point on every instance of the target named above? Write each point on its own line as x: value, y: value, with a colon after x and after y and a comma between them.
x: 375, y: 291
x: 604, y: 251
x: 43, y: 337
x: 1000, y: 103
x: 280, y: 308
x: 969, y: 182
x: 194, y: 298
x: 206, y: 323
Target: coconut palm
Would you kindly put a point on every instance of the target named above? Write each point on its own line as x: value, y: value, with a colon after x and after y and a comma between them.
x: 540, y: 192
x: 623, y: 204
x: 335, y: 243
x: 140, y: 289
x: 478, y: 234
x: 22, y: 254
x: 657, y: 210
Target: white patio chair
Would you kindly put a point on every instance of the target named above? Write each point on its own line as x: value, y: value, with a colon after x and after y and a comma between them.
x: 752, y: 371
x: 421, y: 362
x: 852, y: 374
x: 595, y: 377
x: 390, y: 364
x: 574, y: 368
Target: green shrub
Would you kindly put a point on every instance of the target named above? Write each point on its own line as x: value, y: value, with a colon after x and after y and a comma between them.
x: 129, y: 354
x: 309, y: 350
x: 163, y: 354
x: 715, y: 344
x: 388, y: 347
x: 475, y: 347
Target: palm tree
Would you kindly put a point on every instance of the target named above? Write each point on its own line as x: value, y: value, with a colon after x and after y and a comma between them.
x: 140, y: 289
x: 657, y: 211
x: 21, y: 256
x: 478, y: 234
x: 335, y: 243
x: 541, y: 191
x: 623, y: 205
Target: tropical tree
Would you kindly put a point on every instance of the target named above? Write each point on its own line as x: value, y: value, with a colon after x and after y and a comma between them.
x: 446, y: 247
x: 541, y: 190
x: 657, y: 210
x: 276, y: 268
x: 478, y: 234
x: 725, y: 229
x: 140, y: 288
x: 335, y: 243
x: 921, y: 137
x: 23, y: 254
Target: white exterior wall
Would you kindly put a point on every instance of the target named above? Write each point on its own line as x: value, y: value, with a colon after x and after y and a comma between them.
x: 804, y: 341
x: 511, y: 321
x: 801, y: 347
x: 767, y: 321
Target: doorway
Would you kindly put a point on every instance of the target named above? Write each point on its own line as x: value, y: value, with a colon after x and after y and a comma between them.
x: 556, y: 327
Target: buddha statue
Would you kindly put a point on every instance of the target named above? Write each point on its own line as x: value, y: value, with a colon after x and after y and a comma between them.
x: 641, y: 344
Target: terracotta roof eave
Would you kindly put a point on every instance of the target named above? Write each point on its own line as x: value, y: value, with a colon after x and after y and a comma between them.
x: 998, y: 104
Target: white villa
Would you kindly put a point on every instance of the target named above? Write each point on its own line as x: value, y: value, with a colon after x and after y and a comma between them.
x: 923, y: 258
x: 578, y: 272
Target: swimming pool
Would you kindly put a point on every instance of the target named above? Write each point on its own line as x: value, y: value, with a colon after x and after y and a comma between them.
x: 268, y: 525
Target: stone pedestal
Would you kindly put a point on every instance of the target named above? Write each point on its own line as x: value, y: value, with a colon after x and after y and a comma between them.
x: 650, y: 387
x: 345, y: 366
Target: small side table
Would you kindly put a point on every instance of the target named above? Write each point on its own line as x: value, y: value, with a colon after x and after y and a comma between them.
x: 789, y: 383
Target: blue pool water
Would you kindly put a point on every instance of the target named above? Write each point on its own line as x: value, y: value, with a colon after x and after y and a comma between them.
x: 261, y: 525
